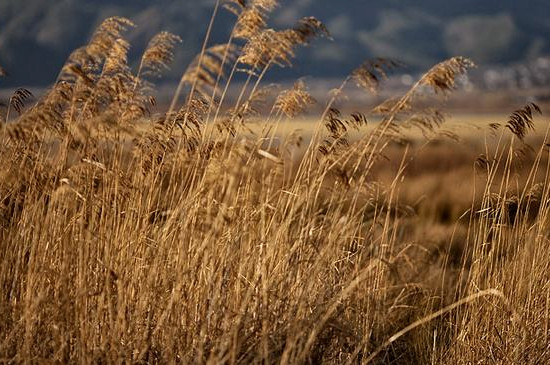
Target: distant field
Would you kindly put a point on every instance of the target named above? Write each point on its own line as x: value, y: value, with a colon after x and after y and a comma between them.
x: 466, y: 125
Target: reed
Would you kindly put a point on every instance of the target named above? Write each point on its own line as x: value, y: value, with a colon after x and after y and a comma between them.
x: 194, y: 237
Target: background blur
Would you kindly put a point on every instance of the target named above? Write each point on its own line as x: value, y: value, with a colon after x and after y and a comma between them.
x: 508, y: 39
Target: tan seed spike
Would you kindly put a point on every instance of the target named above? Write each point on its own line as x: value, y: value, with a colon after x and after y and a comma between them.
x: 106, y: 35
x: 210, y: 66
x: 442, y: 77
x: 294, y: 101
x: 251, y: 22
x: 159, y: 53
x: 117, y: 60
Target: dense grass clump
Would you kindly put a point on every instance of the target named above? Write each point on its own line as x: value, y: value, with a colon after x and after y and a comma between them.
x: 204, y: 235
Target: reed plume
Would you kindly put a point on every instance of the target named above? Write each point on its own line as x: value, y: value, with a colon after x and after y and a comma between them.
x: 372, y: 72
x: 252, y: 16
x: 117, y: 58
x: 18, y: 99
x: 250, y: 22
x: 442, y: 77
x: 521, y: 120
x: 294, y: 101
x: 235, y: 6
x: 278, y: 47
x: 108, y: 32
x: 205, y: 70
x: 158, y: 55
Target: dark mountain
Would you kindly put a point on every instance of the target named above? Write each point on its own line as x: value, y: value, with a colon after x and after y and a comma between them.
x: 36, y: 36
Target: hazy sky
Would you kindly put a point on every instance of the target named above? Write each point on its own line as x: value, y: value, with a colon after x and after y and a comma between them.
x: 36, y: 36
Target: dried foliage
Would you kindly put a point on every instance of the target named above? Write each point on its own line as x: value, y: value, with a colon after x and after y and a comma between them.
x: 252, y: 16
x: 309, y: 28
x: 18, y: 99
x: 521, y: 121
x: 483, y: 163
x: 442, y: 77
x: 128, y: 237
x: 205, y: 70
x: 86, y: 62
x: 251, y: 22
x: 268, y: 46
x: 426, y: 121
x: 159, y: 54
x: 338, y: 130
x: 106, y: 35
x: 117, y: 59
x: 294, y: 101
x: 372, y: 72
x: 235, y: 6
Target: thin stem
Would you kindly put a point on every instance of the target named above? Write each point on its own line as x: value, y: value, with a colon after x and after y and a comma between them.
x: 8, y: 112
x: 203, y: 50
x: 219, y: 76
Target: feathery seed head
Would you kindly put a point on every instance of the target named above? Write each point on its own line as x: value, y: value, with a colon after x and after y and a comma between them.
x: 369, y: 75
x: 442, y: 77
x: 235, y: 6
x: 18, y: 99
x: 206, y: 70
x: 159, y: 53
x: 294, y: 101
x: 117, y: 59
x: 521, y: 121
x: 106, y: 35
x: 251, y: 22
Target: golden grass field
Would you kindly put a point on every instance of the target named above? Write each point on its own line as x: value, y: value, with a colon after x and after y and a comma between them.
x: 249, y: 233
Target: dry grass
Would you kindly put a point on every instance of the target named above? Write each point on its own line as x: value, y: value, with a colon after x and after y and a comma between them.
x: 198, y: 242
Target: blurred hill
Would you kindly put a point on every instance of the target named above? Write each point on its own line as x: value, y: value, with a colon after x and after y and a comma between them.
x: 36, y: 36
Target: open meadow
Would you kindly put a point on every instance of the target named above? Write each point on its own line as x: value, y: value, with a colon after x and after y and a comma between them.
x: 259, y: 232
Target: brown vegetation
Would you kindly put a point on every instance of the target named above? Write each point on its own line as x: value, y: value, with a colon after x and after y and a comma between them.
x: 192, y: 237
